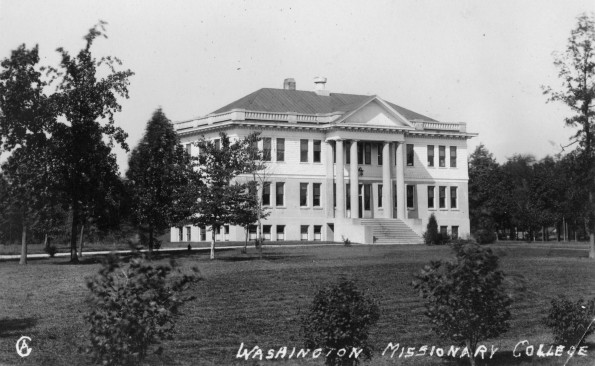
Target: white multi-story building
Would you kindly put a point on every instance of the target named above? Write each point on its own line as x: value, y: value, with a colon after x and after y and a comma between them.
x: 343, y: 166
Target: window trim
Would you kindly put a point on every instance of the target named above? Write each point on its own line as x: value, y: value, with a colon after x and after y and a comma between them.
x: 280, y: 147
x: 282, y: 185
x: 304, y: 159
x: 433, y: 201
x: 431, y: 162
x: 453, y: 157
x: 410, y: 155
x: 314, y: 185
x: 441, y: 156
x: 304, y: 199
x: 316, y: 151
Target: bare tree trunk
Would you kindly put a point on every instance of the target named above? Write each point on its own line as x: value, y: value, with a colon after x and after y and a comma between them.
x: 81, y: 241
x: 471, y: 352
x: 212, y: 241
x: 592, y: 231
x: 24, y: 244
x: 246, y: 239
x: 45, y: 242
x: 150, y: 241
x: 73, y: 231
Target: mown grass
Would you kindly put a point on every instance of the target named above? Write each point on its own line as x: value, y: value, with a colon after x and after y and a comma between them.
x: 258, y: 302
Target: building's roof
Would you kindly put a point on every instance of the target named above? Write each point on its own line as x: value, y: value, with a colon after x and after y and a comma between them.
x: 307, y: 102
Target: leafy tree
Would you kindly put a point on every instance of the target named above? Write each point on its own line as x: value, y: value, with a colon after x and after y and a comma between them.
x: 159, y: 170
x: 465, y: 297
x: 576, y: 69
x: 431, y: 234
x: 87, y: 168
x: 341, y: 317
x: 219, y: 197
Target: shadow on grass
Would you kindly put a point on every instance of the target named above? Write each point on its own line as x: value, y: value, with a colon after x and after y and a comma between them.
x: 81, y: 261
x: 265, y: 256
x: 13, y: 327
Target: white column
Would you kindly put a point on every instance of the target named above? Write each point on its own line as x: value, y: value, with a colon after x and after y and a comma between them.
x: 387, y: 198
x: 354, y: 180
x: 400, y: 177
x: 339, y: 166
x: 330, y: 210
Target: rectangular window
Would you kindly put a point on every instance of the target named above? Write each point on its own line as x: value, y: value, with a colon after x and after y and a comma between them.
x: 409, y: 155
x: 303, y: 151
x: 395, y: 195
x: 316, y: 194
x: 430, y: 155
x: 410, y: 196
x: 280, y: 149
x: 360, y: 153
x: 430, y: 196
x: 317, y: 150
x: 266, y: 148
x: 442, y: 196
x: 189, y: 149
x: 217, y: 144
x: 347, y: 197
x: 453, y: 197
x: 188, y: 233
x: 303, y: 194
x: 266, y: 232
x: 380, y: 195
x: 453, y: 156
x: 226, y: 232
x: 454, y: 232
x: 347, y: 156
x: 334, y: 195
x: 280, y: 232
x: 379, y: 147
x: 203, y: 233
x: 441, y: 156
x: 180, y: 234
x: 266, y: 194
x: 443, y: 230
x: 368, y: 153
x: 317, y: 232
x: 304, y: 232
x: 252, y: 232
x: 367, y: 196
x: 218, y: 234
x: 280, y: 193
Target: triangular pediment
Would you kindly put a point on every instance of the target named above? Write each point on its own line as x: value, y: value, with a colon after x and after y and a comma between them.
x: 376, y: 112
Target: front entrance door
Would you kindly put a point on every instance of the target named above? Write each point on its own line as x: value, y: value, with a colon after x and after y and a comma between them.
x: 367, y: 201
x: 360, y: 200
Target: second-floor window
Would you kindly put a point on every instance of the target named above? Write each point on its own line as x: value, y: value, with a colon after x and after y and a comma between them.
x: 409, y: 155
x: 379, y: 147
x: 280, y: 193
x: 368, y: 153
x: 430, y: 196
x: 442, y: 196
x: 316, y: 194
x: 303, y: 151
x: 317, y: 151
x: 441, y: 156
x: 430, y: 155
x: 266, y: 194
x: 410, y: 196
x: 453, y: 197
x: 303, y: 194
x: 280, y: 149
x: 266, y: 149
x: 453, y: 156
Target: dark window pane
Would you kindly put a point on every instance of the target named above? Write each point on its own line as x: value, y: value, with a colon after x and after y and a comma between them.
x: 360, y: 153
x: 430, y: 155
x: 441, y: 156
x: 379, y: 147
x: 442, y: 196
x: 316, y: 194
x: 453, y: 156
x: 444, y: 230
x: 380, y: 195
x: 303, y: 151
x: 280, y: 192
x: 409, y: 155
x: 347, y: 197
x: 317, y: 149
x: 453, y: 197
x: 410, y: 196
x: 368, y: 148
x: 455, y: 232
x: 367, y: 194
x: 266, y: 194
x: 280, y: 149
x: 266, y: 149
x: 303, y: 194
x: 430, y: 196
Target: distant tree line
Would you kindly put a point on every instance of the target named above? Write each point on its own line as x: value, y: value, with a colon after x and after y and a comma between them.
x: 526, y: 199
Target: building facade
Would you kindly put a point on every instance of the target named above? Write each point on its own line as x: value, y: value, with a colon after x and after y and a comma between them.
x: 343, y: 166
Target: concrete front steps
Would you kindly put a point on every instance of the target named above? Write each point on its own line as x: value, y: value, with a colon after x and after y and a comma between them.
x: 391, y: 231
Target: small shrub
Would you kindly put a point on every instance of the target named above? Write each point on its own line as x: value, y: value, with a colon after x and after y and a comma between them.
x: 346, y: 241
x: 51, y: 250
x: 340, y: 316
x: 570, y: 322
x: 431, y: 234
x: 484, y: 236
x: 133, y: 307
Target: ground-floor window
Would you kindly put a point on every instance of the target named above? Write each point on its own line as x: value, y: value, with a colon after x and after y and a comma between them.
x: 218, y: 233
x: 410, y: 196
x: 280, y: 232
x: 444, y: 230
x: 252, y: 232
x: 180, y: 234
x: 455, y: 232
x: 203, y: 233
x: 266, y: 232
x: 317, y: 232
x: 304, y: 232
x: 226, y: 232
x: 188, y: 233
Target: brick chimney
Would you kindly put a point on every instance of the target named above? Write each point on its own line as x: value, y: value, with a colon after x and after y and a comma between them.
x: 319, y: 86
x: 289, y: 84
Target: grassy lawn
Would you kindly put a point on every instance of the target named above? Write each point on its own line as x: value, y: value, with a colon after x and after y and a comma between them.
x: 258, y: 302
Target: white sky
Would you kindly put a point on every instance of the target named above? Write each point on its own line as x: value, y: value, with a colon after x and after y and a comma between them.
x: 481, y: 62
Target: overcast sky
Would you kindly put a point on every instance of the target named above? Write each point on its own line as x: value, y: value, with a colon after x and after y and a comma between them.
x: 480, y: 62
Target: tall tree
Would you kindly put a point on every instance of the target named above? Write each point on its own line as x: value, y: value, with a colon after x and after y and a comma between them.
x: 88, y: 102
x: 159, y: 170
x: 219, y: 197
x: 576, y: 68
